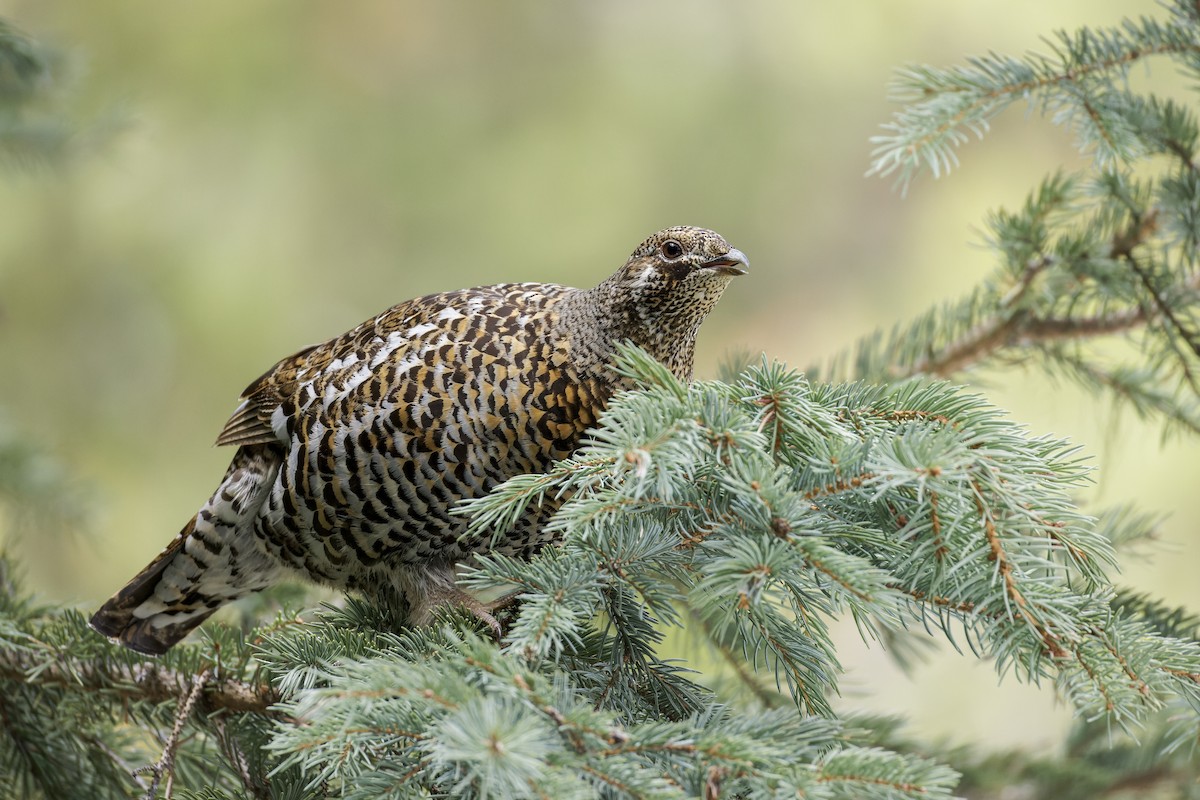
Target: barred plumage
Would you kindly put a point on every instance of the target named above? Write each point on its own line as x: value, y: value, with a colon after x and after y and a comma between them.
x: 352, y: 453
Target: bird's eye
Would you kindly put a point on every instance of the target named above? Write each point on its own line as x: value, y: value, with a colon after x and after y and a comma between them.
x: 671, y: 248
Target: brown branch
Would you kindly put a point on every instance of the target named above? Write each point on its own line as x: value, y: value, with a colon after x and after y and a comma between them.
x: 1000, y: 556
x: 1190, y: 338
x: 611, y: 781
x: 1020, y: 330
x: 1033, y: 268
x: 1095, y: 679
x: 935, y: 521
x: 911, y: 414
x: 712, y: 783
x: 1013, y: 328
x: 790, y: 667
x: 166, y: 762
x: 1176, y: 148
x: 820, y: 567
x: 962, y: 607
x: 146, y: 682
x: 998, y: 553
x: 768, y: 698
x: 1097, y: 120
x: 1194, y: 677
x: 1035, y: 331
x: 257, y: 786
x: 907, y: 788
x: 1142, y: 687
x: 770, y: 403
x: 838, y: 486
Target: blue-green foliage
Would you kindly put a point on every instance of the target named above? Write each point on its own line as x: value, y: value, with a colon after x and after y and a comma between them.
x: 759, y: 510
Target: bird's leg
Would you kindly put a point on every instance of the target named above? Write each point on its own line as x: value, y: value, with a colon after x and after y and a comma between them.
x: 503, y: 601
x: 488, y: 612
x: 480, y: 611
x: 428, y: 587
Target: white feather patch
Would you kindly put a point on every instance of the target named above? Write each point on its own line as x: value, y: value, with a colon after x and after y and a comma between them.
x: 420, y: 330
x: 393, y: 341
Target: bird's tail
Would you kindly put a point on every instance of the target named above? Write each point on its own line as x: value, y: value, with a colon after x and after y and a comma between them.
x: 212, y: 561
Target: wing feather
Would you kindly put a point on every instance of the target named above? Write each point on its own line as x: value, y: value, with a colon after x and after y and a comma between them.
x: 251, y: 421
x: 344, y: 358
x: 246, y: 426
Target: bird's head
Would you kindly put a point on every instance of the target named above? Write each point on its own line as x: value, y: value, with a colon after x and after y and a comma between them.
x: 665, y: 290
x: 674, y: 278
x: 683, y: 256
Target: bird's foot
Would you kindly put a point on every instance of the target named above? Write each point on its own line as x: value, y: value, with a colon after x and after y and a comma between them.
x: 488, y: 613
x: 481, y: 612
x: 452, y: 596
x: 437, y: 587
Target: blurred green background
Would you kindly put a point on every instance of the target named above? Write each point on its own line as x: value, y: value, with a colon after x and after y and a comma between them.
x: 279, y: 171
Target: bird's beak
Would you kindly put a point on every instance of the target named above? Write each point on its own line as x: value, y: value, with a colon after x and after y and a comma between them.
x: 732, y: 263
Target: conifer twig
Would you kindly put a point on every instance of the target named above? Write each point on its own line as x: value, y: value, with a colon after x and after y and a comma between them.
x: 984, y: 340
x: 744, y: 674
x: 166, y: 762
x: 257, y: 787
x: 1012, y: 328
x: 145, y: 682
x: 125, y: 766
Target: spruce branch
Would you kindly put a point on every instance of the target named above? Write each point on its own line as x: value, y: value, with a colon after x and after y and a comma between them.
x: 1076, y: 85
x: 235, y: 751
x: 932, y: 467
x: 32, y: 130
x: 746, y: 677
x: 165, y: 766
x: 1091, y: 258
x: 498, y: 723
x: 1143, y: 388
x: 1014, y: 326
x: 133, y: 682
x: 1172, y: 621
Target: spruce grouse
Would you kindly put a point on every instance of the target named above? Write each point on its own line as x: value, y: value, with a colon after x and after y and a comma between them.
x: 352, y: 453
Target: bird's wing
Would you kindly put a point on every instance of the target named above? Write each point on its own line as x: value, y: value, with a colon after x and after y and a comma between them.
x: 347, y: 360
x: 251, y: 421
x: 351, y: 366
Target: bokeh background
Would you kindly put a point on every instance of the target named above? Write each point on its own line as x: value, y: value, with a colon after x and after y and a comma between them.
x: 252, y: 177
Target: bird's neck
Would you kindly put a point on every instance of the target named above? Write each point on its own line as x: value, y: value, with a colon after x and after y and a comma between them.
x: 596, y: 320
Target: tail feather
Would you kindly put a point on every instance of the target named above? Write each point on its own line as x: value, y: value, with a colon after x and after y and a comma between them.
x: 152, y: 634
x: 212, y: 561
